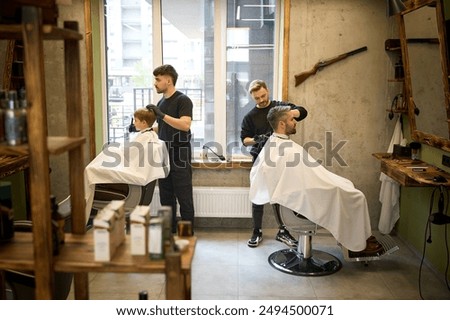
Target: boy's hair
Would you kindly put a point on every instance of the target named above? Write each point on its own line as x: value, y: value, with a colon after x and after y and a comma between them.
x: 255, y: 85
x: 277, y: 114
x: 166, y: 70
x: 146, y: 115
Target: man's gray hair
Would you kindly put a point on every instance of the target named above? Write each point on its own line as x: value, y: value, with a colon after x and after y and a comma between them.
x: 276, y: 114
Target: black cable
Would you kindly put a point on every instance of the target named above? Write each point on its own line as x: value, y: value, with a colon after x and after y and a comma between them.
x: 427, y: 232
x: 428, y: 227
x: 219, y: 156
x: 446, y: 274
x: 446, y: 246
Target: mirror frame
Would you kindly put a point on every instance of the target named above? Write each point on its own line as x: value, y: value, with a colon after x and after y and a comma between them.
x: 418, y: 135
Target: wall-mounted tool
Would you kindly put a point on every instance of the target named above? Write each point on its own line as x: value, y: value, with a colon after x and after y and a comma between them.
x: 301, y: 77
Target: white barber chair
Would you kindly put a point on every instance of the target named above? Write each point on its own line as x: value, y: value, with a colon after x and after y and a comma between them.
x: 303, y: 260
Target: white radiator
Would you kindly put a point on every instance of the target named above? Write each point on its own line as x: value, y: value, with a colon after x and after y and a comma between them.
x: 216, y: 202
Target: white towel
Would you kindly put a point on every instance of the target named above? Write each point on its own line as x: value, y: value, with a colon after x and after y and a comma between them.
x: 390, y: 190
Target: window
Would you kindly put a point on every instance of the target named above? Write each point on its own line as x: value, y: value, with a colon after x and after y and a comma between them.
x: 217, y: 48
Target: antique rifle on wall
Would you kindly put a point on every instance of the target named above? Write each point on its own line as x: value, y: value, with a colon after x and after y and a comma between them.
x: 300, y: 77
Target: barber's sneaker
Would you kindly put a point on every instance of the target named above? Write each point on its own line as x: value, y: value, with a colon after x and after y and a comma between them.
x: 284, y: 236
x: 255, y: 239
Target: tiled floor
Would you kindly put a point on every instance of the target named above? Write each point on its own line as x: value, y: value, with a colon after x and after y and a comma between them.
x: 225, y: 268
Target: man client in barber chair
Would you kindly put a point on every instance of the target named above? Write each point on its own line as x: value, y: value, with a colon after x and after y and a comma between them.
x: 284, y: 173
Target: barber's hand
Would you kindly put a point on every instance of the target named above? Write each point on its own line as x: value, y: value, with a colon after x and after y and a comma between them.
x: 259, y: 138
x: 156, y: 110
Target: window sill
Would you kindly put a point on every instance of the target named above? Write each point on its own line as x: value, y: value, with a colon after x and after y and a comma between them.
x: 217, y: 164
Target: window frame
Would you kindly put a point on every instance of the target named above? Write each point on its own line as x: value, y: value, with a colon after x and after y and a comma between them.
x: 281, y: 58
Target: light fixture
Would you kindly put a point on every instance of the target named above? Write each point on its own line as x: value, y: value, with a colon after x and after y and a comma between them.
x: 395, y: 7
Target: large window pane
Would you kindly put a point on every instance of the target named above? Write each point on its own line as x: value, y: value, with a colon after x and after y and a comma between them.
x: 129, y: 62
x: 188, y: 30
x: 250, y: 55
x: 188, y: 39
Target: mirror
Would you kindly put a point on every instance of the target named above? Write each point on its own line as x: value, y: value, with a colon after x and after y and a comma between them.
x: 426, y: 83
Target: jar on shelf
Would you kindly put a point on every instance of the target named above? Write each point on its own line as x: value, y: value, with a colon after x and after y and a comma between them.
x: 15, y: 118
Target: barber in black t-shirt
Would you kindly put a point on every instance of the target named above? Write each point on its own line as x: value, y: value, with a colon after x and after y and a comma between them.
x: 255, y: 130
x: 174, y: 112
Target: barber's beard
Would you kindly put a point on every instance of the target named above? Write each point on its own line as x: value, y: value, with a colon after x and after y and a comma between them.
x: 263, y: 104
x: 161, y: 90
x: 291, y: 131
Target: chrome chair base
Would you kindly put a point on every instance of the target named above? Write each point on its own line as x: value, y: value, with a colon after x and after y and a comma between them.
x: 293, y: 262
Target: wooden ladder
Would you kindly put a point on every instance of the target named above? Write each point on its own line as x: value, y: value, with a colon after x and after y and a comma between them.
x: 13, y: 77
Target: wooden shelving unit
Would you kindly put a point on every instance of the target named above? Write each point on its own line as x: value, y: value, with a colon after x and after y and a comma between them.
x: 33, y: 252
x: 393, y: 46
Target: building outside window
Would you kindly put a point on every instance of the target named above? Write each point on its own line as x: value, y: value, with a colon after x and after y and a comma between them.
x: 217, y: 48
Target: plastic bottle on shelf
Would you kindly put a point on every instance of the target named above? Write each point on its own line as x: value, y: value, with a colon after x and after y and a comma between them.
x: 15, y: 120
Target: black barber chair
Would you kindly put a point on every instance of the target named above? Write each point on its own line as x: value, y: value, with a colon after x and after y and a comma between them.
x: 303, y: 260
x: 133, y: 195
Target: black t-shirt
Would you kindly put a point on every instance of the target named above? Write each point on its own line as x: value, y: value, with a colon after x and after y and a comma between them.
x: 177, y: 106
x: 255, y: 123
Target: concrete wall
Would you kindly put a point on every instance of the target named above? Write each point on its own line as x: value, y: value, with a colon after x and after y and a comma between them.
x: 347, y: 99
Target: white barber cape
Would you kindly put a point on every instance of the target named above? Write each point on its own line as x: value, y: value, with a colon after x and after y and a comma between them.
x: 138, y: 163
x: 286, y: 174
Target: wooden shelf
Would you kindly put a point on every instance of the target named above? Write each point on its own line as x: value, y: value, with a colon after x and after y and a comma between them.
x: 49, y: 32
x: 56, y: 145
x: 18, y: 254
x: 402, y: 171
x: 10, y: 164
x: 77, y: 255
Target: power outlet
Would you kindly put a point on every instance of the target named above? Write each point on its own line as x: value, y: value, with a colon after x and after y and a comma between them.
x: 446, y: 160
